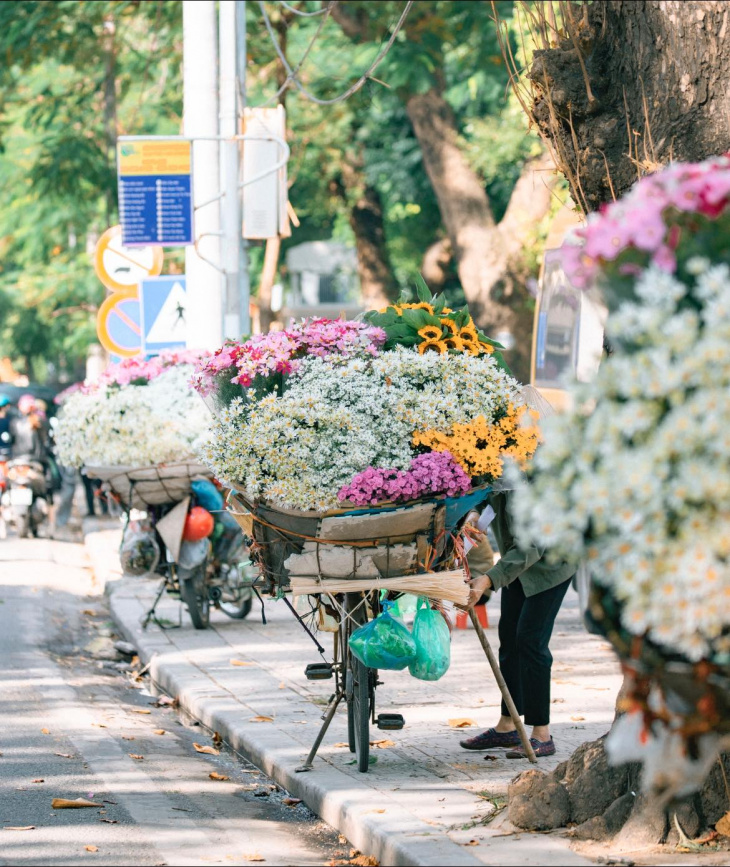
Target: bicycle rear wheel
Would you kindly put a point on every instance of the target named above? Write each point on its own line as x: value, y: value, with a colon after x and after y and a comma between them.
x: 358, y: 688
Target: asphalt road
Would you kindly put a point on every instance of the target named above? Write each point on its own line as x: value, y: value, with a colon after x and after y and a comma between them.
x: 72, y: 726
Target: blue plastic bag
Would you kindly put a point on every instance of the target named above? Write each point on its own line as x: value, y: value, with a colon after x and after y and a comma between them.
x: 433, y: 643
x: 207, y: 495
x: 384, y: 642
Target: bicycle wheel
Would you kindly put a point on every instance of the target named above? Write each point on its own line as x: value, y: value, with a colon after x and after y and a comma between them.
x: 233, y: 596
x: 194, y: 593
x: 358, y: 689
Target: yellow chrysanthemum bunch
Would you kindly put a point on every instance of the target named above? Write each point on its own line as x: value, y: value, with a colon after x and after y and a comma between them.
x: 480, y: 447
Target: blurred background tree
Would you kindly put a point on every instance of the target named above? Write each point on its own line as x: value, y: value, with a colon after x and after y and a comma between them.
x: 429, y: 166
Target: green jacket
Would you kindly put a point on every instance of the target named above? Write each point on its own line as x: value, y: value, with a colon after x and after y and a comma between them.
x: 528, y: 565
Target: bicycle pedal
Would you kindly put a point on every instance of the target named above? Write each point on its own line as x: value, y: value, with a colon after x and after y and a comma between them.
x: 318, y: 671
x: 392, y: 722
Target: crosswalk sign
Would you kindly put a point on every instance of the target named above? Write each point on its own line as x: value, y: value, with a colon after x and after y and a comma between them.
x: 162, y: 302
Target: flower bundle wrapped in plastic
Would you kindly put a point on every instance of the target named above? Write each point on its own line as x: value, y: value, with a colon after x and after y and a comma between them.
x: 138, y: 413
x: 635, y: 479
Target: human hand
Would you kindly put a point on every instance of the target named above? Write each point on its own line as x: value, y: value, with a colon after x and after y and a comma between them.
x: 477, y: 588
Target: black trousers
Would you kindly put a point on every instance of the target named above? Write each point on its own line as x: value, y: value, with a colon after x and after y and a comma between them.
x: 525, y: 627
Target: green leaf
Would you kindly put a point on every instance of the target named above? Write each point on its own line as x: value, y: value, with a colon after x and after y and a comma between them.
x: 438, y: 304
x: 424, y: 293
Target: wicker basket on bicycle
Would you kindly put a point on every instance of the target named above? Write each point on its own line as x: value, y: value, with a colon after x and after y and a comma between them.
x: 151, y: 485
x: 303, y: 551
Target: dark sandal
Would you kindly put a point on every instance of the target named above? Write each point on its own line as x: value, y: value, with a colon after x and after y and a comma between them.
x: 541, y: 748
x: 491, y: 739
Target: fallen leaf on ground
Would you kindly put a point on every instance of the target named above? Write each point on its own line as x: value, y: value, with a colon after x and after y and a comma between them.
x: 45, y: 732
x: 723, y: 825
x: 182, y: 809
x: 489, y: 758
x: 127, y: 737
x: 159, y: 731
x: 364, y: 861
x: 110, y: 821
x: 134, y: 756
x: 558, y: 701
x: 282, y: 685
x: 166, y: 701
x: 241, y: 662
x: 262, y: 719
x: 376, y: 811
x: 19, y: 828
x: 598, y: 688
x: 217, y: 739
x: 252, y: 858
x: 291, y: 802
x: 66, y: 804
x: 340, y: 745
x: 91, y: 848
x: 65, y: 755
x: 382, y: 744
x: 39, y: 780
x: 461, y: 723
x: 140, y: 710
x: 98, y: 725
x: 211, y: 751
x: 89, y: 611
x: 577, y: 718
x: 214, y: 776
x: 471, y: 843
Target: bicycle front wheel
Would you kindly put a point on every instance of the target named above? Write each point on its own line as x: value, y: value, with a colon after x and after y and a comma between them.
x: 357, y: 688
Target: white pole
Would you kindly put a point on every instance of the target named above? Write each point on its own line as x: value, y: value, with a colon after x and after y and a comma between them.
x: 204, y: 313
x: 230, y: 204
x: 244, y: 280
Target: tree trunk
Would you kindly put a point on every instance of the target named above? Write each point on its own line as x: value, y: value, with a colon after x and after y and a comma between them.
x: 268, y: 276
x: 488, y: 255
x: 377, y: 284
x: 659, y: 75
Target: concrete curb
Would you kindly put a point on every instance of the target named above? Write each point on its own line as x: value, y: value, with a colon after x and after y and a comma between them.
x: 395, y: 837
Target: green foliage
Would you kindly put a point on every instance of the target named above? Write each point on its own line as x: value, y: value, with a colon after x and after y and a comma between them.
x: 75, y: 75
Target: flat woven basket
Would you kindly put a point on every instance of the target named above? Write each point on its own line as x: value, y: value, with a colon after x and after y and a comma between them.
x: 151, y: 485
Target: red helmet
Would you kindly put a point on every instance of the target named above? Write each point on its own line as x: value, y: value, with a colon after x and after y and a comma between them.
x: 199, y: 523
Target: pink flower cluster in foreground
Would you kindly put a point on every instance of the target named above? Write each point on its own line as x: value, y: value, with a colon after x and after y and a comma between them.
x: 642, y: 218
x: 429, y: 474
x: 130, y: 369
x: 281, y: 351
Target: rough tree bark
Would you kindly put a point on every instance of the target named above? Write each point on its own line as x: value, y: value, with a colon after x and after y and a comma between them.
x: 658, y: 81
x: 377, y: 283
x: 655, y: 88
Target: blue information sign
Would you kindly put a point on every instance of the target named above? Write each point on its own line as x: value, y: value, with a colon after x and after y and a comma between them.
x: 162, y: 304
x: 155, y: 193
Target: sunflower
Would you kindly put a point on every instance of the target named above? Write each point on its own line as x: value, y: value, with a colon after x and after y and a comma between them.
x: 421, y: 305
x: 468, y: 333
x: 433, y: 346
x: 430, y: 332
x: 451, y: 326
x: 454, y: 343
x: 486, y: 347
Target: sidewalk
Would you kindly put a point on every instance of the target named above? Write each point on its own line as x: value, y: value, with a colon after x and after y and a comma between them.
x: 425, y: 800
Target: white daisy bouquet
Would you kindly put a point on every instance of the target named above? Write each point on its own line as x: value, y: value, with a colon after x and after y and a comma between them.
x: 149, y: 417
x: 635, y: 479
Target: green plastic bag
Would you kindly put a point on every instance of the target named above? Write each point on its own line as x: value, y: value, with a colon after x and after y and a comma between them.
x: 433, y: 643
x: 384, y: 642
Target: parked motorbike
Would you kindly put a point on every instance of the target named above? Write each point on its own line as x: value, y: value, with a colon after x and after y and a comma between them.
x: 25, y: 500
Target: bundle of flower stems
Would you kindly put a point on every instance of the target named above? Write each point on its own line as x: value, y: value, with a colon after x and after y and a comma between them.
x: 450, y: 586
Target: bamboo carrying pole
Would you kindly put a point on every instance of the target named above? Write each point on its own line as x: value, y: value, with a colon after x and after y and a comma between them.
x: 529, y: 752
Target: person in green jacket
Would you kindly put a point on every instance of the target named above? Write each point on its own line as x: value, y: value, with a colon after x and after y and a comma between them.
x: 532, y: 592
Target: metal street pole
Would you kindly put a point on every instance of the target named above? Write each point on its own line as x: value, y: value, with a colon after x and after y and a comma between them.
x: 244, y: 282
x: 230, y: 204
x: 204, y: 313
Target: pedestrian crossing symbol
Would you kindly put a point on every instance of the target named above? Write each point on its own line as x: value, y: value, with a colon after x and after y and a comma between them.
x: 163, y: 322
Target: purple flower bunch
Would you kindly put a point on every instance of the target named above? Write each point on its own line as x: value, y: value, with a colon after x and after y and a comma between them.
x: 428, y: 474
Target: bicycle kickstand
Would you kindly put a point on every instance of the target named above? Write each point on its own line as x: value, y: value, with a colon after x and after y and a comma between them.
x: 307, y: 766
